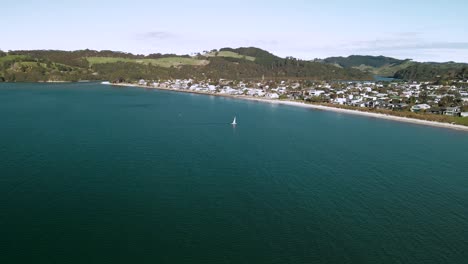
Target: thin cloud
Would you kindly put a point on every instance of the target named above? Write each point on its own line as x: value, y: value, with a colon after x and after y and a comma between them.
x: 433, y: 46
x: 409, y: 34
x: 157, y: 35
x: 426, y: 45
x: 406, y: 41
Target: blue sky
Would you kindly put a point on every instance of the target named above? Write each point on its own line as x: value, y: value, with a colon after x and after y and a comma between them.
x: 428, y: 30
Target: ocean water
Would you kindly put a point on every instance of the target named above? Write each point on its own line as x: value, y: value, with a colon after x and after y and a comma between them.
x: 385, y: 79
x: 97, y: 174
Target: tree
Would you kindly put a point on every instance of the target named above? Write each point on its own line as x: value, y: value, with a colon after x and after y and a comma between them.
x: 446, y: 101
x: 423, y: 96
x: 411, y: 100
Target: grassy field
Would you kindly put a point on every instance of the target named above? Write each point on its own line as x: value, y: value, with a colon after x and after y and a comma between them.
x: 162, y: 62
x: 230, y: 54
x: 30, y: 63
x: 11, y: 57
x: 386, y: 70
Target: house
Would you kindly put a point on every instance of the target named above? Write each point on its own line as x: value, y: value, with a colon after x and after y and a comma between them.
x: 296, y: 95
x: 295, y: 85
x: 420, y: 107
x: 436, y: 110
x: 273, y: 96
x: 400, y: 106
x: 260, y: 93
x: 229, y: 90
x: 371, y: 104
x: 340, y: 101
x: 453, y: 111
x: 316, y: 92
x: 281, y: 90
x: 212, y: 88
x: 359, y: 103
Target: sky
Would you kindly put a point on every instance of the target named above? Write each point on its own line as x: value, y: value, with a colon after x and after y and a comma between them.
x: 429, y: 30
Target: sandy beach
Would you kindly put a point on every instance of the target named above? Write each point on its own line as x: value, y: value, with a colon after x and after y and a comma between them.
x: 320, y: 107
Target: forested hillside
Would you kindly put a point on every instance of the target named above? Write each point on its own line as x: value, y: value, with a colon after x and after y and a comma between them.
x: 241, y: 63
x: 400, y: 69
x: 434, y: 72
x: 226, y: 63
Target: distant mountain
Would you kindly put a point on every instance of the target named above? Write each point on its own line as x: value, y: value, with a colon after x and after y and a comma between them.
x: 434, y: 71
x: 357, y: 60
x: 227, y: 63
x: 377, y: 65
x: 252, y: 51
x: 401, y: 69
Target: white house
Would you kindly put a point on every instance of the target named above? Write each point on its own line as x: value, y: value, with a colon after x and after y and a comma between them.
x: 316, y: 92
x: 420, y: 107
x: 273, y: 96
x: 194, y: 87
x: 260, y: 93
x: 212, y: 88
x: 340, y: 101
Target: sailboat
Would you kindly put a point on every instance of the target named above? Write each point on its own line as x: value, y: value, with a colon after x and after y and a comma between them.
x: 234, y: 122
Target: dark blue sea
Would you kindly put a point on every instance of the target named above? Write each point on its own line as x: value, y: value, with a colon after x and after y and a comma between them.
x: 98, y: 174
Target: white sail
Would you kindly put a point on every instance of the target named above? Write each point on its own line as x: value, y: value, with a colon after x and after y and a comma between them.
x: 234, y: 121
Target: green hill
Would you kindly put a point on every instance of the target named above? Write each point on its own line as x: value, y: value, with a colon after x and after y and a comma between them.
x: 377, y: 65
x: 357, y: 60
x: 229, y: 54
x: 228, y: 63
x: 162, y: 62
x: 400, y: 69
x: 433, y: 71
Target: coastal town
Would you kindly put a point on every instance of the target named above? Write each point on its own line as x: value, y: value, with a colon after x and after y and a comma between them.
x: 447, y: 99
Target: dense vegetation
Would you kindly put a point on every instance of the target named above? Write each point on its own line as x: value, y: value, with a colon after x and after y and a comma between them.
x: 401, y: 69
x: 227, y: 63
x: 356, y: 60
x: 434, y: 71
x: 377, y: 65
x: 242, y: 63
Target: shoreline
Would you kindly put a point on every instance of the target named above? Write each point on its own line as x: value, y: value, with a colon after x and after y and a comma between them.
x: 316, y: 107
